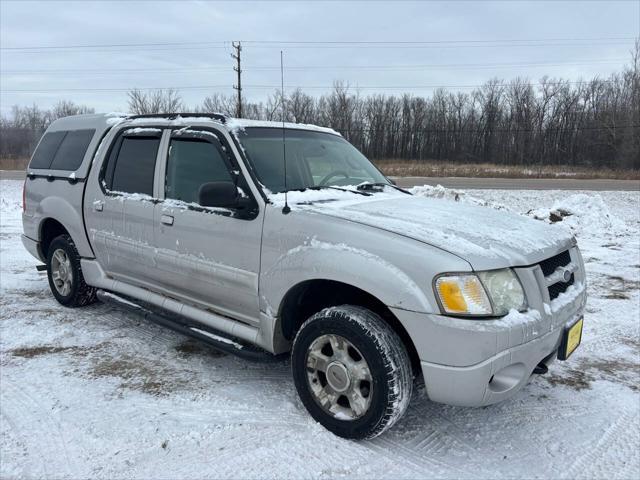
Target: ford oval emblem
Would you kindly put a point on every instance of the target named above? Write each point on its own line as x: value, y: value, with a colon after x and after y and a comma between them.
x: 566, y: 276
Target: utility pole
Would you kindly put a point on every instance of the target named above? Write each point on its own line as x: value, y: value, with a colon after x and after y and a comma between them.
x: 236, y: 56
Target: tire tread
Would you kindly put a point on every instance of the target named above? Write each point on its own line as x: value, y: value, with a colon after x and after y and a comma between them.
x: 398, y: 371
x: 84, y: 294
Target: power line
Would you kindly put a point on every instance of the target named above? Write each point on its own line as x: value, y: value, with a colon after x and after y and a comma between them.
x: 109, y: 45
x: 453, y: 43
x: 354, y: 87
x: 180, y: 69
x: 336, y: 47
x: 427, y: 42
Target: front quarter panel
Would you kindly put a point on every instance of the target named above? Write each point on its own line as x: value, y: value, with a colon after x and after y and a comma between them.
x: 303, y: 246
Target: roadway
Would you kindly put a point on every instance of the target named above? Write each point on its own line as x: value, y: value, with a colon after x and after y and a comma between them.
x: 481, y: 183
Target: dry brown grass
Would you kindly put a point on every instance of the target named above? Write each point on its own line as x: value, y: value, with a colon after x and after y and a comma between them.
x: 13, y: 163
x: 430, y: 168
x: 404, y: 168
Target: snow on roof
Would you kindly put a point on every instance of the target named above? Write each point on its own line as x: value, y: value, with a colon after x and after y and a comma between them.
x: 234, y: 124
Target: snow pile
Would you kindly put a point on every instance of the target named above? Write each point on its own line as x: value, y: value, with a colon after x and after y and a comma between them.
x: 437, y: 192
x: 11, y: 197
x: 581, y: 212
x: 441, y: 192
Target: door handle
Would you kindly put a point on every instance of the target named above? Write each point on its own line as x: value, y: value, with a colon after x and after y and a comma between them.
x: 98, y: 205
x: 166, y: 219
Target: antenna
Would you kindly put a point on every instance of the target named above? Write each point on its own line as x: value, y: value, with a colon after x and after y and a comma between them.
x: 286, y: 208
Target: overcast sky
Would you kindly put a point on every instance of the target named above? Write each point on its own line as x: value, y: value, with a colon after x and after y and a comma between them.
x: 462, y: 43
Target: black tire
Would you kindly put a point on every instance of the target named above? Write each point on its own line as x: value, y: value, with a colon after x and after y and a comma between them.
x: 80, y: 293
x: 388, y: 363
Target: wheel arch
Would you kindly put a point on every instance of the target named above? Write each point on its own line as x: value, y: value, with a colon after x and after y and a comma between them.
x: 311, y: 296
x: 50, y: 228
x: 56, y: 211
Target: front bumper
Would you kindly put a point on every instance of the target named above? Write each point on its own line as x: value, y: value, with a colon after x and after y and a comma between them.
x: 493, y: 380
x: 469, y: 362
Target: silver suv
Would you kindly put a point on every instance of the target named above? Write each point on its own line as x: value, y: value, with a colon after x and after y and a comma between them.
x: 263, y: 239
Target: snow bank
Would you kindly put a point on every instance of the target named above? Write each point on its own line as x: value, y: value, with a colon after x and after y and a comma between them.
x: 11, y: 196
x: 443, y: 193
x: 582, y: 212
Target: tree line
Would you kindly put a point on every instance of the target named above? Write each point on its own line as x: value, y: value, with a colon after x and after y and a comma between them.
x: 557, y: 122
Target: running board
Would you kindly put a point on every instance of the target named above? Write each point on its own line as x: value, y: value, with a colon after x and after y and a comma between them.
x: 199, y: 331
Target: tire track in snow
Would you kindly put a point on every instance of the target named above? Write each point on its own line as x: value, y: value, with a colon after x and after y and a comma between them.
x: 51, y: 445
x: 619, y: 438
x: 394, y: 449
x: 11, y: 433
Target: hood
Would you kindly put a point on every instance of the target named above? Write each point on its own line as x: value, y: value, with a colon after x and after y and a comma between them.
x: 485, y: 237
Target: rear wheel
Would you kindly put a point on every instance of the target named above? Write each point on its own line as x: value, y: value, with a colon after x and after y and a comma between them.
x: 352, y: 371
x: 65, y: 274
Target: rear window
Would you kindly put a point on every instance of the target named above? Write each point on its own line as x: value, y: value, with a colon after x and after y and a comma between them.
x: 47, y: 148
x: 131, y: 169
x: 62, y: 150
x: 72, y: 150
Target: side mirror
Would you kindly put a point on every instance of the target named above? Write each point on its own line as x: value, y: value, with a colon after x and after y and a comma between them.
x: 218, y: 194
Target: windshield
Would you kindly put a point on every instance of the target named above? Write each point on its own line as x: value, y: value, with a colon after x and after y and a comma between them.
x: 314, y: 159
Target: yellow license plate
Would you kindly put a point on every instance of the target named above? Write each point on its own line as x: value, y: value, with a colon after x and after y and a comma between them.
x: 571, y: 340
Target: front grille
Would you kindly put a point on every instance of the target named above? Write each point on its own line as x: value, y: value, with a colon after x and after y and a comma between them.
x: 550, y: 264
x: 560, y: 287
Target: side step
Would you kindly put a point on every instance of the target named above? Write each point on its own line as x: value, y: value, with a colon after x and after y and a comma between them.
x: 201, y: 332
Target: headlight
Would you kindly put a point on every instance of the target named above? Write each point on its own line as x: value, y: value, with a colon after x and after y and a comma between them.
x: 462, y: 295
x: 491, y: 293
x: 505, y: 290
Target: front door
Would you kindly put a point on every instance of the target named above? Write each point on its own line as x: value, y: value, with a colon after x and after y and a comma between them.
x: 209, y: 256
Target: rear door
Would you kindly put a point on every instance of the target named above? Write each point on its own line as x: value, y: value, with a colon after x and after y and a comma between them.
x: 208, y: 256
x: 120, y: 214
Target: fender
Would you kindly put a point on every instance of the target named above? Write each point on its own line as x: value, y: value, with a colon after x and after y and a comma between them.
x: 62, y: 211
x: 320, y: 260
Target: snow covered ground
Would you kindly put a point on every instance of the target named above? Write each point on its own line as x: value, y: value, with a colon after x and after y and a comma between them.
x: 98, y: 392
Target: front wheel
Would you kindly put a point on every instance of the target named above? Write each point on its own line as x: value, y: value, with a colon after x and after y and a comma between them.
x: 352, y: 371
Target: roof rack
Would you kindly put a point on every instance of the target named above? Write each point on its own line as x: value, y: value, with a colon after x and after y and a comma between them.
x: 171, y: 116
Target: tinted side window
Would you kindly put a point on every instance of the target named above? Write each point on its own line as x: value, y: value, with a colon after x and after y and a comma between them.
x: 72, y: 149
x: 134, y: 165
x: 47, y: 148
x: 191, y: 163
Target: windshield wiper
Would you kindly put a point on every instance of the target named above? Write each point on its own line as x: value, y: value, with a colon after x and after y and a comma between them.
x: 321, y: 187
x: 378, y: 187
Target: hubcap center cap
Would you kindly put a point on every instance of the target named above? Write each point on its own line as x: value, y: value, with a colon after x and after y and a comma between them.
x: 338, y: 377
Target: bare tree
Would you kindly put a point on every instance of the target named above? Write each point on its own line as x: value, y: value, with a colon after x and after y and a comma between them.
x: 66, y: 108
x: 592, y: 123
x: 156, y: 101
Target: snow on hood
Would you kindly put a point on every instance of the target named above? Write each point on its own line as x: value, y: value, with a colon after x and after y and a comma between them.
x: 465, y: 230
x: 485, y: 237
